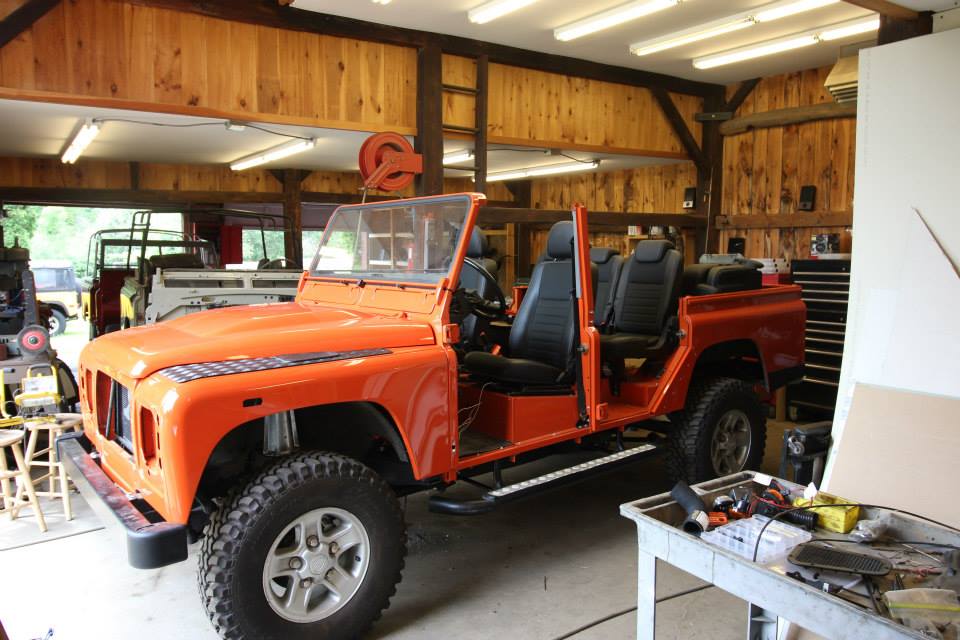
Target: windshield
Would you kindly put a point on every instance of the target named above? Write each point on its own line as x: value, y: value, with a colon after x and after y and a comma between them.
x: 411, y: 242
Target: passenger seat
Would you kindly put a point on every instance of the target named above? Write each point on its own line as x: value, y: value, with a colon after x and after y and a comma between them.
x: 609, y: 264
x: 645, y: 308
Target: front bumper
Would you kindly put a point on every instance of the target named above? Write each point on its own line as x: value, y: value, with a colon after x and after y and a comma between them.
x: 150, y: 545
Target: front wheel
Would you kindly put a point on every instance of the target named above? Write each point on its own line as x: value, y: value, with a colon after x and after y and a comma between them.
x: 722, y: 430
x: 311, y: 548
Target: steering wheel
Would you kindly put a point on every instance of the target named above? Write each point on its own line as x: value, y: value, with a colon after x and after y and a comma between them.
x: 480, y: 306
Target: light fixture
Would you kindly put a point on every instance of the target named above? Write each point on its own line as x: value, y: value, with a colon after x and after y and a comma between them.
x: 611, y: 18
x: 381, y: 2
x: 694, y: 34
x: 81, y: 140
x: 548, y: 170
x: 235, y: 126
x: 851, y: 29
x: 276, y: 153
x: 779, y: 10
x: 795, y: 41
x: 742, y: 20
x: 495, y: 9
x: 458, y: 157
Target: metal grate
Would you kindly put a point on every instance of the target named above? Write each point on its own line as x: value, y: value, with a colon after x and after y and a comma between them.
x: 817, y: 556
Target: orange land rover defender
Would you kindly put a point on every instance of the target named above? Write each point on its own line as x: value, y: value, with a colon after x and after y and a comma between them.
x: 281, y: 435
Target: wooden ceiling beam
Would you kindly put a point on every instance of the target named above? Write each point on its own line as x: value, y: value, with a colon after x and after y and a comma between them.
x: 270, y: 13
x: 742, y: 93
x: 679, y: 126
x: 886, y: 8
x: 23, y: 17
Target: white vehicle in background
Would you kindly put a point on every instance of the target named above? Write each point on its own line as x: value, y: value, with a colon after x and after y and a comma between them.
x: 167, y: 274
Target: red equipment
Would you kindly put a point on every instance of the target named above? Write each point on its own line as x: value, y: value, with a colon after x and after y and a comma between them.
x: 388, y: 162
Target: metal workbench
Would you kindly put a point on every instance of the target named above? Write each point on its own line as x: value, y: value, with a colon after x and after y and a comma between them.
x: 769, y: 592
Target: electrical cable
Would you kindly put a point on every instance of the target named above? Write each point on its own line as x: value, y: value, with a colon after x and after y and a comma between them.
x: 541, y: 152
x: 188, y: 125
x: 624, y: 612
x: 777, y: 516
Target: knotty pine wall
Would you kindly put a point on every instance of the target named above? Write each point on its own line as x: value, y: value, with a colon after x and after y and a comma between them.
x: 764, y: 169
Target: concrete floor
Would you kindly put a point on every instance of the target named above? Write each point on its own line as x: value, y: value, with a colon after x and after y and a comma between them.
x: 535, y: 569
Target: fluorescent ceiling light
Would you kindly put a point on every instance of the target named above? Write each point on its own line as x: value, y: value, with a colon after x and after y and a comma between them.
x: 694, y: 34
x: 766, y: 13
x: 495, y: 9
x: 81, y: 140
x: 795, y: 41
x: 779, y: 10
x: 851, y: 29
x: 548, y: 170
x: 611, y: 18
x: 283, y: 151
x: 458, y: 157
x: 381, y: 1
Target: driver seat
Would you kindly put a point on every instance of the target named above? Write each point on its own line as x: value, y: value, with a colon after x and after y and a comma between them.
x: 542, y: 336
x: 478, y: 250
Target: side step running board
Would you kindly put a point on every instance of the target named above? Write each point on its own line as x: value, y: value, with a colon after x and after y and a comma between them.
x: 440, y: 503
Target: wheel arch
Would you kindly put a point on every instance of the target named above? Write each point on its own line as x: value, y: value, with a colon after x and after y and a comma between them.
x: 359, y: 429
x: 740, y: 359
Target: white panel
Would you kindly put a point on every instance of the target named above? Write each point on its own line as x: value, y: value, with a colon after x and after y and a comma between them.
x: 903, y: 327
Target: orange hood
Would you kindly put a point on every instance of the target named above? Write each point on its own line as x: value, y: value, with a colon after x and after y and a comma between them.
x: 250, y: 332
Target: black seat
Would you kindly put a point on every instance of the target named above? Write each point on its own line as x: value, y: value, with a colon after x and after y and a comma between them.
x: 542, y: 337
x: 644, y: 311
x: 706, y: 279
x: 471, y: 325
x: 609, y: 264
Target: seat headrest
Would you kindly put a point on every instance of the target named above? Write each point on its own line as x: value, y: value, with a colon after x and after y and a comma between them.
x: 477, y: 247
x: 559, y: 242
x: 651, y: 250
x: 602, y: 255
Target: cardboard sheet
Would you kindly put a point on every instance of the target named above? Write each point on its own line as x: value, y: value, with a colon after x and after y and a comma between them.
x: 900, y: 449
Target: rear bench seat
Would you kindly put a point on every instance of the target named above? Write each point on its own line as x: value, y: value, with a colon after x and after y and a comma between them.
x: 705, y: 279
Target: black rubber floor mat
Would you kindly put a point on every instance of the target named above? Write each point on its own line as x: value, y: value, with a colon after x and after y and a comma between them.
x: 817, y: 556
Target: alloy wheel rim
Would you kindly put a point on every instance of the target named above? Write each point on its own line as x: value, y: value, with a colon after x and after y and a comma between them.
x: 316, y: 565
x: 731, y: 442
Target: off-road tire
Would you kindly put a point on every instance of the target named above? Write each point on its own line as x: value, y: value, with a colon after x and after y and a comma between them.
x: 240, y: 532
x: 688, y: 450
x: 57, y: 323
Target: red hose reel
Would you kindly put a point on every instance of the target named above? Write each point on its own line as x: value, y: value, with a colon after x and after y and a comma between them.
x: 388, y: 162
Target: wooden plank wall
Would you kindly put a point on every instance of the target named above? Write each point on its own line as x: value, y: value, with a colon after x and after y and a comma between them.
x: 765, y: 168
x: 654, y: 189
x: 9, y: 6
x: 155, y: 59
x: 528, y: 107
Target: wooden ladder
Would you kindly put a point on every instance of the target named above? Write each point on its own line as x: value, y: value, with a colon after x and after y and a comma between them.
x: 478, y: 131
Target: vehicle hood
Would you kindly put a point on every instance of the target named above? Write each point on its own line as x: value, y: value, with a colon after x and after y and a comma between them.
x: 253, y: 331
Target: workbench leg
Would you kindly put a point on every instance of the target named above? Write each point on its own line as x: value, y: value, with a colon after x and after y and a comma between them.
x: 646, y: 596
x: 761, y: 624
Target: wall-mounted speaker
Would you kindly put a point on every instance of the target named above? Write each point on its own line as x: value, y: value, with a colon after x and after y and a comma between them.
x: 808, y: 198
x: 690, y: 198
x: 737, y: 245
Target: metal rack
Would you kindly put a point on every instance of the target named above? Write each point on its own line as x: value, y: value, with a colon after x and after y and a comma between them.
x: 826, y: 290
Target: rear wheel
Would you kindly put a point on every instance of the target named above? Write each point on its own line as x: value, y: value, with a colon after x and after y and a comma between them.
x: 57, y: 323
x: 721, y: 431
x: 311, y: 548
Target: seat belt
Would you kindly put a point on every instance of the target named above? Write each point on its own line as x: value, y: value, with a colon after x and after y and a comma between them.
x: 583, y: 419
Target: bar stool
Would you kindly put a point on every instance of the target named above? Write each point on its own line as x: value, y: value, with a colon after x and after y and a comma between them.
x: 58, y: 485
x: 12, y: 504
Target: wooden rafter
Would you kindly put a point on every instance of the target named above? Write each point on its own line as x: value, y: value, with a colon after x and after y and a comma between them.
x: 270, y: 13
x: 886, y: 8
x: 679, y: 126
x: 742, y: 93
x: 790, y: 115
x: 23, y: 17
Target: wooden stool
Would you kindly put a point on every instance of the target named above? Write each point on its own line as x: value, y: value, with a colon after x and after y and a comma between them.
x: 58, y: 485
x: 12, y: 504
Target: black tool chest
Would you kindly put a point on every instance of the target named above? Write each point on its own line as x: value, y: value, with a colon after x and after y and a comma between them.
x: 826, y: 292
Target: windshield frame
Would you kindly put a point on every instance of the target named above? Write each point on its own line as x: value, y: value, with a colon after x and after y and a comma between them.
x: 469, y: 200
